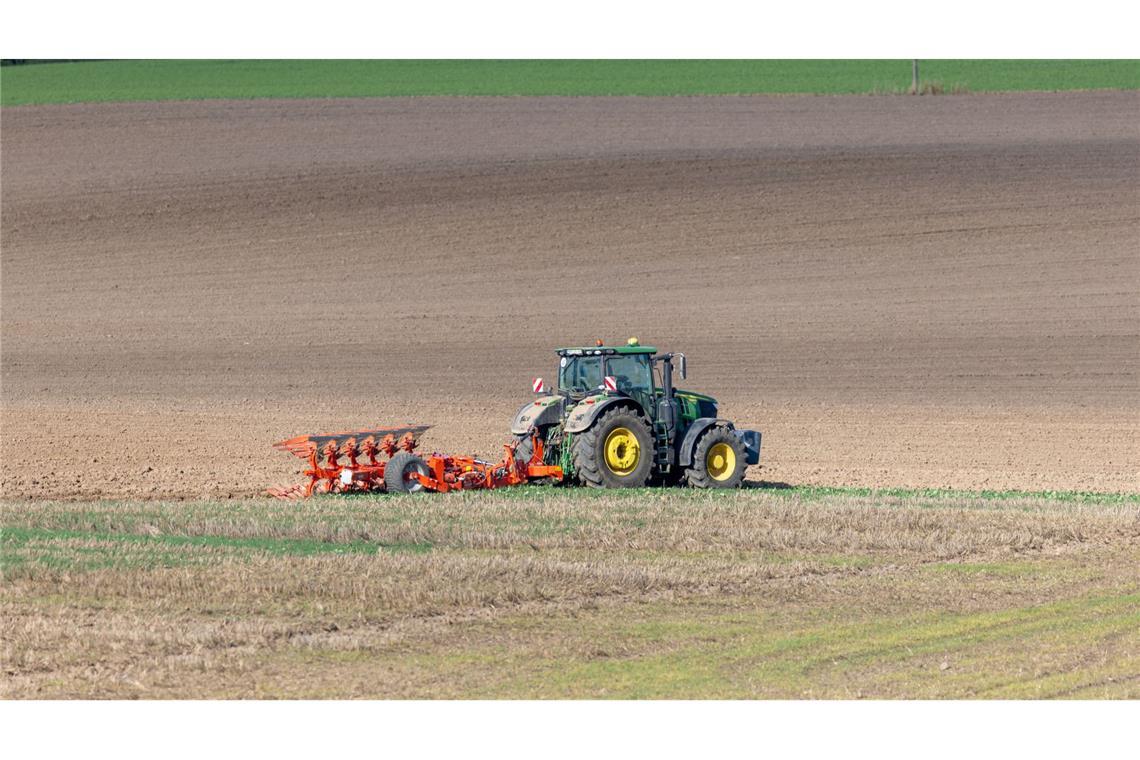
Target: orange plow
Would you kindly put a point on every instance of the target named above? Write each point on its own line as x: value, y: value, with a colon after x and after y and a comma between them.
x: 385, y: 460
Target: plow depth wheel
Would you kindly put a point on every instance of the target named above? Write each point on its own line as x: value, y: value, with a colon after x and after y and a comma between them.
x: 399, y: 473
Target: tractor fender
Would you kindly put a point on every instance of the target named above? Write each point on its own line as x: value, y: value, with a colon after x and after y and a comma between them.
x: 588, y: 409
x: 545, y: 410
x: 689, y: 442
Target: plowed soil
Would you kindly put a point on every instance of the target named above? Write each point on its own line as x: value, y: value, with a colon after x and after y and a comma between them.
x: 897, y: 291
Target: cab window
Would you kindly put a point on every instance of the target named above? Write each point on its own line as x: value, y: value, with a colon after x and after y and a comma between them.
x: 632, y: 373
x: 580, y: 373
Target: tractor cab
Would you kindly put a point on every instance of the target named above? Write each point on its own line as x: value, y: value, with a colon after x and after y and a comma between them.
x: 624, y: 369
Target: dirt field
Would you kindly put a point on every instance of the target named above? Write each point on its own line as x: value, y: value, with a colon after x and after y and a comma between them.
x: 897, y: 291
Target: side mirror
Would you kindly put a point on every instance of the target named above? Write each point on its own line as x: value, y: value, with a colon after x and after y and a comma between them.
x: 682, y: 366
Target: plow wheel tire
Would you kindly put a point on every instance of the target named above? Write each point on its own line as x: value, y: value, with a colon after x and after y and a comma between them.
x: 616, y: 452
x: 718, y: 460
x: 398, y: 473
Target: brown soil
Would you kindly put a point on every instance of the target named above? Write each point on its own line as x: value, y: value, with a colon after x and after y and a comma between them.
x: 897, y: 291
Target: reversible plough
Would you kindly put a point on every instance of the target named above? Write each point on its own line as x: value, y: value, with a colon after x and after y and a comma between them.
x: 385, y: 460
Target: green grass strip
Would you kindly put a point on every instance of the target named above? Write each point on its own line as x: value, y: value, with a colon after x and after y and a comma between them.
x: 1083, y: 497
x: 802, y: 492
x: 152, y: 80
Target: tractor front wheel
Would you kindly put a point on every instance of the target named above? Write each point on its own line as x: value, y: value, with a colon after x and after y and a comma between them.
x: 616, y: 452
x: 718, y: 460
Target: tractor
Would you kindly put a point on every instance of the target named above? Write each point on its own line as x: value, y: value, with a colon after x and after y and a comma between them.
x: 615, y: 420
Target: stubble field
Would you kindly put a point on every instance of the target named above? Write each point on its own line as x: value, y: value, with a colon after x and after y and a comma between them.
x: 548, y: 593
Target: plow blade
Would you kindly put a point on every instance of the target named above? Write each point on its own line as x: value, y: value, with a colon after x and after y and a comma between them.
x: 304, y: 446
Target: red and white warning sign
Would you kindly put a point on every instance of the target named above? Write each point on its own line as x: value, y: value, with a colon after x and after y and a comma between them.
x: 539, y: 387
x: 611, y: 383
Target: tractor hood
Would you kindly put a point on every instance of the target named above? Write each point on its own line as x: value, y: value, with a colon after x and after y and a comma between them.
x: 694, y: 406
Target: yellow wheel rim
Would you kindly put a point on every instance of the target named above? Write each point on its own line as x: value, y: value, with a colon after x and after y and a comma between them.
x: 623, y: 452
x: 720, y: 461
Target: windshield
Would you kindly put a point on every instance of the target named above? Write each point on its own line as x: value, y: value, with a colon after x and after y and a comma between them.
x: 579, y: 373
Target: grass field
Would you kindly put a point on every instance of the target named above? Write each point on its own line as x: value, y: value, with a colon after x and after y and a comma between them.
x: 548, y: 593
x: 191, y: 80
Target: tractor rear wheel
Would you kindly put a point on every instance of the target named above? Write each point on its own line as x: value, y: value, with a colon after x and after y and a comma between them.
x: 616, y: 452
x: 718, y: 460
x: 399, y: 473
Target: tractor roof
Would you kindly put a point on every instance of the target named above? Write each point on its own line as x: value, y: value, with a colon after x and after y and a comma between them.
x: 635, y: 348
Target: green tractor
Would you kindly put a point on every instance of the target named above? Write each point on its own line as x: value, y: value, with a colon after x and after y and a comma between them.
x: 616, y: 421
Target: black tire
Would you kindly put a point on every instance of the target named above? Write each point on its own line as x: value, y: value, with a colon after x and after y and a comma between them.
x: 399, y: 467
x: 589, y: 450
x: 524, y: 450
x: 702, y: 473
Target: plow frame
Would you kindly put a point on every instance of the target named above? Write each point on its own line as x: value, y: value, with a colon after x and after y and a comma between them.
x: 355, y: 474
x: 450, y: 473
